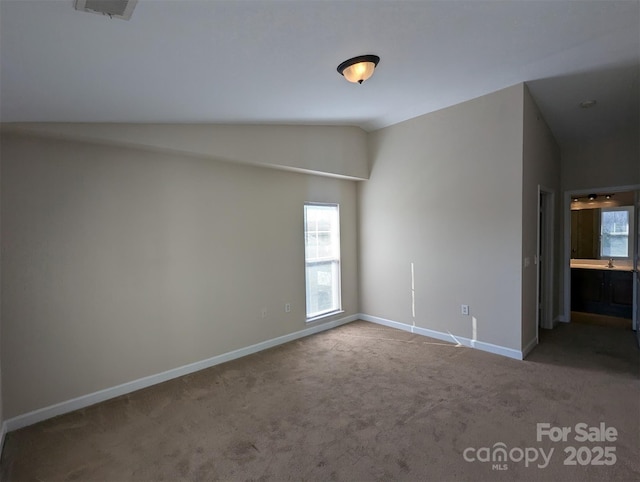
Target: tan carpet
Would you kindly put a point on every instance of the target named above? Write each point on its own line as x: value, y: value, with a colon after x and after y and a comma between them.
x: 361, y: 402
x: 602, y: 320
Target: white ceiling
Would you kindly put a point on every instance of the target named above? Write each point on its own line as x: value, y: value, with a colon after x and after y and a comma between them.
x: 269, y: 61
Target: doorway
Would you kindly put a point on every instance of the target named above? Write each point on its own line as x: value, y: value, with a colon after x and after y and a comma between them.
x: 602, y: 244
x: 544, y: 259
x: 636, y: 291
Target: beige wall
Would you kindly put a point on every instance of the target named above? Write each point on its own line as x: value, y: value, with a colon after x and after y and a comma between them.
x: 603, y: 163
x: 120, y: 263
x: 445, y: 193
x: 541, y: 167
x: 327, y: 150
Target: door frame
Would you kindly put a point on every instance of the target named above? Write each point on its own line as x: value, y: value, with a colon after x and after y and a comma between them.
x: 566, y: 209
x: 545, y: 259
x: 636, y: 266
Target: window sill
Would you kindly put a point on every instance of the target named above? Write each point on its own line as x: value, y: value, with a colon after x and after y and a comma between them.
x: 324, y: 315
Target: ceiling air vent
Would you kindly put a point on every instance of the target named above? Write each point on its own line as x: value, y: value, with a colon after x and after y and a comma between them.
x: 112, y: 8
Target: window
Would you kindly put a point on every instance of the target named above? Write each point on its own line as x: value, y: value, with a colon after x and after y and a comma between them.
x: 615, y: 226
x: 322, y: 259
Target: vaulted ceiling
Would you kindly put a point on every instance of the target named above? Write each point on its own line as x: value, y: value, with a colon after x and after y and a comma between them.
x: 207, y: 61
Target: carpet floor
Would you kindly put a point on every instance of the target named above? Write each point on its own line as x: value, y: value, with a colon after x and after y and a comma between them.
x: 361, y: 402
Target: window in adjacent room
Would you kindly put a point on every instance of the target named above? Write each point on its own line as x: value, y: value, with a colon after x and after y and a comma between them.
x: 322, y: 259
x: 615, y: 226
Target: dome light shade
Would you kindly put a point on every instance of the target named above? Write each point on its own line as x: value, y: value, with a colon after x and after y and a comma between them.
x: 358, y: 69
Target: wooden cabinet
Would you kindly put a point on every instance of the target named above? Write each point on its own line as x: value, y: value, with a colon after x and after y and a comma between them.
x: 585, y: 234
x: 605, y: 292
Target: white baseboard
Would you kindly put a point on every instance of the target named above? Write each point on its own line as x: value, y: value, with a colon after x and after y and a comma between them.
x: 92, y: 398
x: 456, y: 340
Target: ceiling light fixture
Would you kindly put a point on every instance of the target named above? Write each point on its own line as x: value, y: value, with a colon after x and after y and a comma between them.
x: 587, y: 104
x: 358, y: 69
x: 592, y: 197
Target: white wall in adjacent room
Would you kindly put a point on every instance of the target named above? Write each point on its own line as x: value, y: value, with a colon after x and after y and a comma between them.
x: 602, y: 163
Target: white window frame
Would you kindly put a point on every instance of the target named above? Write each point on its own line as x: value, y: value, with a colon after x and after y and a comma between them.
x: 630, y: 214
x: 334, y: 260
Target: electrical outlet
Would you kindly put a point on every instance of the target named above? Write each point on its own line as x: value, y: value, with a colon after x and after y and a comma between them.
x: 464, y: 309
x: 287, y: 308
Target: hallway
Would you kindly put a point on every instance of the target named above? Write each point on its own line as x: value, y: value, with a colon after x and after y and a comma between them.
x: 591, y: 342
